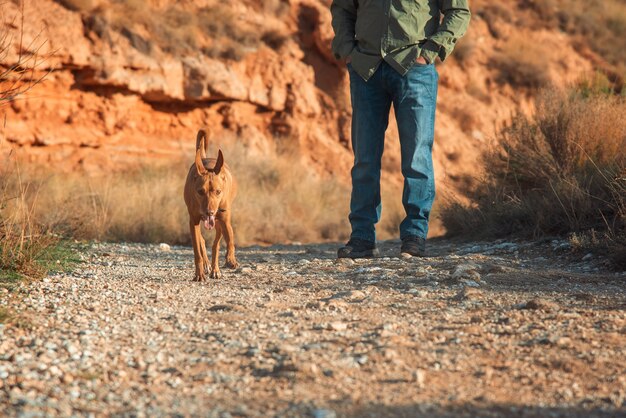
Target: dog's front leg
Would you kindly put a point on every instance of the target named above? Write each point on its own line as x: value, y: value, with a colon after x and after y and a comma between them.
x: 231, y: 260
x: 203, y: 253
x: 196, y: 236
x: 215, y: 253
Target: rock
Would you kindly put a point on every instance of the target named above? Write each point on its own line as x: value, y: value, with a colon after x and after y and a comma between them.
x: 506, y: 246
x: 470, y: 283
x: 324, y: 413
x: 164, y: 247
x: 588, y: 257
x: 206, y: 78
x: 468, y: 293
x: 466, y: 271
x: 350, y: 296
x: 337, y: 326
x: 539, y: 304
x: 561, y: 245
x: 220, y: 308
x: 419, y: 377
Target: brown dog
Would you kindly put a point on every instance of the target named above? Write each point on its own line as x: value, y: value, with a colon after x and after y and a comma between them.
x: 209, y: 193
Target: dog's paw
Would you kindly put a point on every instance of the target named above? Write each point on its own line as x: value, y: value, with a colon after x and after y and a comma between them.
x: 232, y: 264
x: 215, y: 274
x: 200, y: 278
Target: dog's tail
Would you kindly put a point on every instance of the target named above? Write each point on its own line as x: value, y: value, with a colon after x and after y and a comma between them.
x: 202, y: 135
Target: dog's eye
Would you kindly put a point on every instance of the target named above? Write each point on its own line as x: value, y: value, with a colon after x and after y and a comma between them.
x: 218, y: 191
x: 201, y: 192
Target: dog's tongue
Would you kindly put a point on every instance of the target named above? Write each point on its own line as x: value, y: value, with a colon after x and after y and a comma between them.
x: 209, y: 223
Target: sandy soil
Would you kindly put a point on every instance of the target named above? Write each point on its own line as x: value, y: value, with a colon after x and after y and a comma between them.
x: 515, y: 329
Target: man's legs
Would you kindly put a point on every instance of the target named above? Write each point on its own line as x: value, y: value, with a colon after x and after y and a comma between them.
x: 370, y: 116
x: 414, y: 101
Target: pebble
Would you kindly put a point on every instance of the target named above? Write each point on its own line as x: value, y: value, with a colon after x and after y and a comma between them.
x: 337, y: 326
x: 324, y: 413
x: 419, y: 377
x: 466, y: 271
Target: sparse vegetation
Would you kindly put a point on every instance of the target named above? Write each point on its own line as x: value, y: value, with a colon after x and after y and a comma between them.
x: 558, y: 172
x: 601, y: 24
x: 27, y: 247
x: 218, y: 30
x: 521, y: 64
x: 279, y: 200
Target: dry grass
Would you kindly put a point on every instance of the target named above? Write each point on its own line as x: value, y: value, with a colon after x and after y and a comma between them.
x: 275, y: 204
x: 279, y: 200
x: 217, y: 30
x: 27, y: 247
x: 522, y: 64
x: 559, y: 172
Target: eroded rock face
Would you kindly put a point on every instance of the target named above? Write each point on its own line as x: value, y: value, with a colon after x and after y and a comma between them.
x: 115, y: 97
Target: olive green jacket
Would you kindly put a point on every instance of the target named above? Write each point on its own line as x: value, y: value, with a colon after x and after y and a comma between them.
x: 398, y: 31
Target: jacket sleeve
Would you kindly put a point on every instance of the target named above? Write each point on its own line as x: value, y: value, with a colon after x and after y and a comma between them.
x: 343, y: 20
x: 456, y: 18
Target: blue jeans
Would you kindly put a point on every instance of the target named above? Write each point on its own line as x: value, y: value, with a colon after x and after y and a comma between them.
x: 414, y: 97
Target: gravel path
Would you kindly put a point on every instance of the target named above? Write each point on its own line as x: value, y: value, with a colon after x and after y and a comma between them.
x: 476, y: 330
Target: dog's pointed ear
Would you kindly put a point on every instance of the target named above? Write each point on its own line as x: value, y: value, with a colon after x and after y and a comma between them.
x: 202, y: 143
x: 199, y: 164
x: 219, y: 163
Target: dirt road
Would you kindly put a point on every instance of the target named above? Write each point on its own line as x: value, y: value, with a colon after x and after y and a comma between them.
x: 476, y: 330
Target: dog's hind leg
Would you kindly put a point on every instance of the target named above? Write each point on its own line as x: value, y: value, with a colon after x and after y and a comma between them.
x: 215, y: 253
x: 196, y: 239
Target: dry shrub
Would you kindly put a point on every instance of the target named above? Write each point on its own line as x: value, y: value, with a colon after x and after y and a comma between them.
x: 522, y: 64
x: 558, y: 172
x: 26, y: 246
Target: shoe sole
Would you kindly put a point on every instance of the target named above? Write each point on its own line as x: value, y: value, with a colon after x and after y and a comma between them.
x: 362, y: 254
